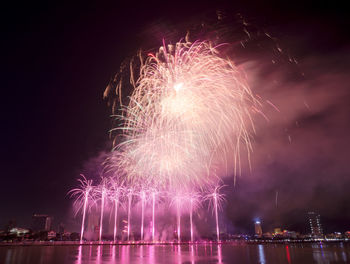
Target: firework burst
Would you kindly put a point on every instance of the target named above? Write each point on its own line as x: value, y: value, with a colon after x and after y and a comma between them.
x: 216, y: 199
x: 187, y: 118
x: 85, y: 198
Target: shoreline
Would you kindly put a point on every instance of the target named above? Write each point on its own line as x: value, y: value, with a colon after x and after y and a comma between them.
x: 138, y: 243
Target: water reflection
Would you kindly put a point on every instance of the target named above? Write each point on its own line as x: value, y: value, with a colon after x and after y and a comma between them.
x: 176, y: 254
x: 79, y: 258
x: 219, y: 254
x: 8, y: 256
x: 179, y: 254
x: 125, y: 257
x: 288, y: 254
x: 99, y: 254
x: 343, y: 254
x: 141, y: 254
x: 261, y: 254
x: 192, y: 254
x: 114, y: 250
x: 151, y: 253
x: 318, y: 253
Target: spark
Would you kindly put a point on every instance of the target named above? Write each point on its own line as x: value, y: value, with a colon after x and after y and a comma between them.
x: 193, y: 199
x: 189, y: 113
x: 130, y: 192
x: 102, y: 191
x: 83, y: 195
x: 177, y: 200
x: 115, y: 193
x: 143, y: 196
x: 188, y: 118
x: 215, y: 202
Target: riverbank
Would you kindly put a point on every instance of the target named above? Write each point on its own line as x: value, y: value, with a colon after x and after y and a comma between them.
x: 121, y: 243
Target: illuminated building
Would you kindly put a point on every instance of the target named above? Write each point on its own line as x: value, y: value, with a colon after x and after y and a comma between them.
x: 277, y: 231
x: 315, y: 224
x: 18, y: 231
x: 347, y: 234
x: 289, y: 234
x: 258, y: 229
x: 51, y: 234
x: 41, y: 222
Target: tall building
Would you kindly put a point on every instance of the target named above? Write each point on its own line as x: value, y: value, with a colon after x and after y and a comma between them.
x: 258, y: 229
x: 315, y: 224
x: 41, y: 222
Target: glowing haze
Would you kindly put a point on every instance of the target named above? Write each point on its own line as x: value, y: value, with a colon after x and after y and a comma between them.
x: 187, y: 120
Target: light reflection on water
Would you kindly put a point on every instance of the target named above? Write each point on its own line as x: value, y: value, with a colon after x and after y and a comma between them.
x: 261, y: 254
x: 288, y: 254
x: 176, y: 254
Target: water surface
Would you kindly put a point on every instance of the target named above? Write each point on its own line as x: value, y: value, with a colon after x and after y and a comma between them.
x: 176, y: 254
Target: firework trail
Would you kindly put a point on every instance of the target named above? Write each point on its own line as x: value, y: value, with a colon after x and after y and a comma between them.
x: 115, y: 193
x: 102, y: 191
x: 130, y: 193
x: 178, y: 199
x: 189, y: 113
x: 111, y: 189
x: 215, y: 201
x: 83, y: 195
x: 154, y: 193
x: 193, y: 199
x: 143, y: 197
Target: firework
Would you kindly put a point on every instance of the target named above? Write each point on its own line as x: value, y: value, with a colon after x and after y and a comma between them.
x: 154, y: 193
x: 189, y: 112
x: 187, y: 120
x: 111, y: 189
x: 84, y: 199
x: 102, y: 192
x: 193, y: 199
x: 143, y: 197
x: 115, y: 194
x: 178, y: 200
x: 215, y: 202
x: 130, y: 193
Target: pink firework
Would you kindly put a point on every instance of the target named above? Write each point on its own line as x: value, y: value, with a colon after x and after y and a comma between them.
x: 116, y: 191
x: 188, y: 116
x: 84, y: 199
x: 143, y: 198
x: 101, y: 193
x: 215, y: 199
x: 129, y: 194
x: 178, y: 199
x: 193, y: 199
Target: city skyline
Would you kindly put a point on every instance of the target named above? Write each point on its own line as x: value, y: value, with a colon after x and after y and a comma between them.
x: 42, y: 228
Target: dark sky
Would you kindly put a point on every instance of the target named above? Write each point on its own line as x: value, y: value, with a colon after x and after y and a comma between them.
x: 57, y: 58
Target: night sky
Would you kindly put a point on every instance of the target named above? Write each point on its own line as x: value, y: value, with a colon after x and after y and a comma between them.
x: 57, y: 59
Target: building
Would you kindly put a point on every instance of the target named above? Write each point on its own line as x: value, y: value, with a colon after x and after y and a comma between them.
x: 335, y: 235
x: 315, y: 224
x: 277, y: 231
x: 290, y: 234
x: 258, y: 229
x: 19, y: 231
x: 347, y: 234
x: 41, y: 222
x: 51, y: 235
